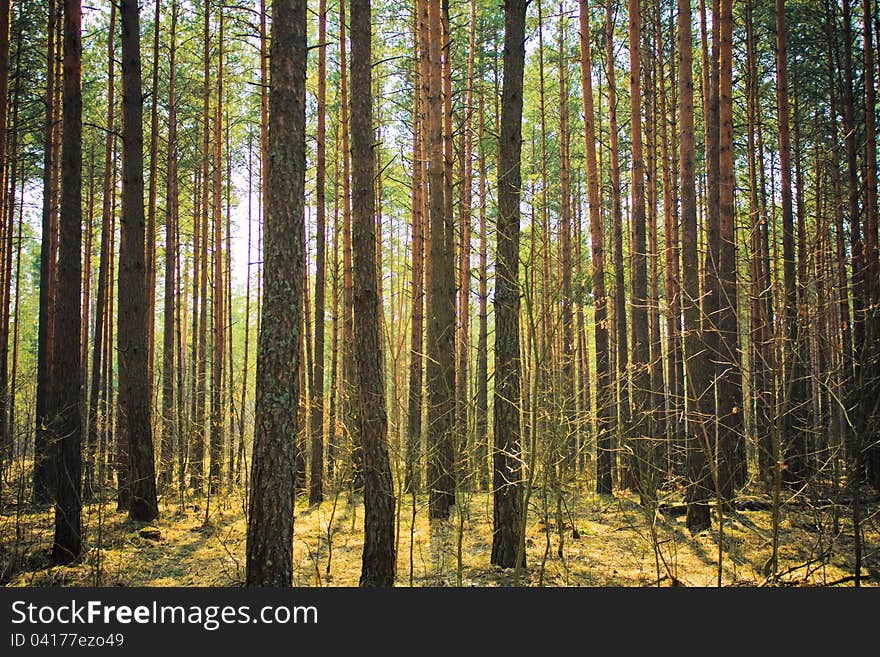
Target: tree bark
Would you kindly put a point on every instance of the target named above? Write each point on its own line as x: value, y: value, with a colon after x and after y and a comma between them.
x: 378, y: 560
x: 440, y: 374
x: 134, y: 383
x: 316, y: 480
x: 698, y: 489
x: 44, y: 475
x: 604, y: 386
x: 270, y: 517
x: 67, y: 426
x: 507, y: 469
x: 169, y: 419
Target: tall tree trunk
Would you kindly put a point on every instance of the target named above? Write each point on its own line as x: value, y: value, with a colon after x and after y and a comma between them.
x: 316, y: 481
x: 152, y: 193
x: 440, y: 380
x: 761, y: 317
x: 378, y: 561
x: 349, y: 396
x: 134, y: 383
x: 201, y: 427
x: 621, y: 340
x: 729, y: 406
x: 44, y: 475
x: 270, y: 518
x: 697, y: 376
x: 794, y: 431
x: 507, y: 468
x: 218, y: 317
x: 247, y: 317
x: 674, y: 374
x: 98, y: 410
x: 5, y: 249
x: 641, y: 382
x: 854, y: 216
x: 482, y: 397
x: 67, y: 426
x: 604, y: 386
x: 464, y: 261
x: 416, y: 375
x: 844, y: 376
x: 169, y: 420
x: 870, y: 409
x: 570, y: 432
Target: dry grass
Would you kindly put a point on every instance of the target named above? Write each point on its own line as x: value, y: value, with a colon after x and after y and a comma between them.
x: 610, y: 544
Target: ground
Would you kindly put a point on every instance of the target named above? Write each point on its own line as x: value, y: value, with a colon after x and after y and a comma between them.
x: 606, y: 541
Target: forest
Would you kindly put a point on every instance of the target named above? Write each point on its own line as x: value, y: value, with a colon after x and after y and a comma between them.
x: 429, y: 293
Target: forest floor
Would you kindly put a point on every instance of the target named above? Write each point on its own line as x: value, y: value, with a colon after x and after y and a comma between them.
x: 606, y: 541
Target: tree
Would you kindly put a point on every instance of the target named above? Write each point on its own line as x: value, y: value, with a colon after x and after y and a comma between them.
x: 417, y: 280
x: 276, y: 422
x: 97, y: 399
x: 695, y: 357
x: 134, y: 383
x: 67, y: 426
x: 793, y: 398
x: 640, y: 378
x: 604, y: 386
x: 316, y: 493
x: 507, y: 469
x: 44, y: 456
x: 169, y: 419
x: 440, y: 367
x: 378, y: 562
x: 729, y: 404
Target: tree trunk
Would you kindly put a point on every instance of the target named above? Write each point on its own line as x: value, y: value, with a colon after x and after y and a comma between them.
x: 621, y: 340
x: 348, y: 398
x: 169, y: 420
x: 729, y: 406
x: 378, y: 562
x: 218, y: 316
x: 416, y: 376
x: 440, y: 380
x: 67, y: 426
x: 134, y: 383
x: 696, y: 360
x: 152, y: 193
x: 44, y: 475
x: 316, y: 481
x: 604, y: 386
x: 640, y: 377
x: 793, y: 401
x: 507, y: 470
x: 270, y: 517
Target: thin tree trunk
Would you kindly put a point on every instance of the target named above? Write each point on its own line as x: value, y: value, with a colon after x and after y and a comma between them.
x: 153, y: 191
x: 482, y: 397
x: 794, y: 431
x: 696, y: 360
x: 169, y: 423
x: 621, y: 342
x: 416, y: 375
x: 218, y: 317
x: 316, y: 481
x: 641, y: 382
